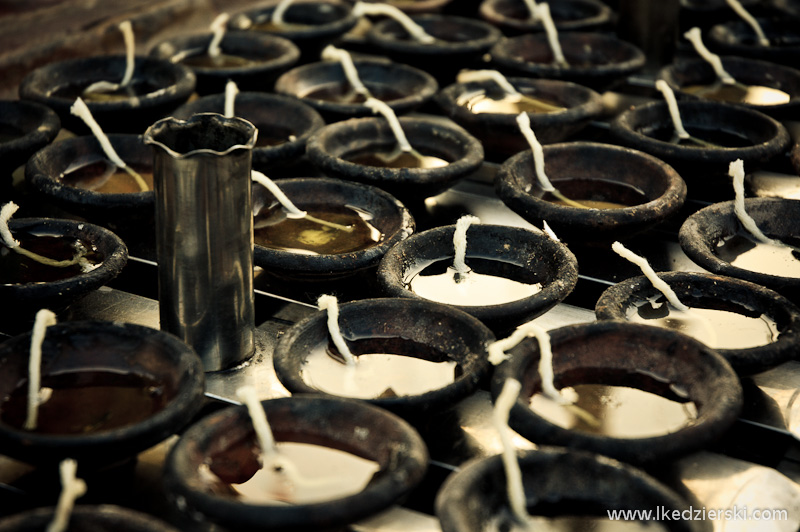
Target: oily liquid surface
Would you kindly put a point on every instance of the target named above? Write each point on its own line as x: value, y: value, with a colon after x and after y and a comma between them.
x: 273, y: 137
x: 378, y: 374
x: 436, y: 281
x: 272, y: 229
x: 597, y: 193
x: 19, y: 269
x: 750, y: 94
x: 86, y: 402
x: 326, y: 474
x: 343, y: 93
x: 719, y: 329
x: 743, y: 252
x: 104, y: 177
x: 136, y: 89
x: 203, y: 60
x: 622, y: 412
x: 480, y: 102
x: 571, y: 523
x: 393, y: 158
x: 719, y: 137
x: 9, y: 133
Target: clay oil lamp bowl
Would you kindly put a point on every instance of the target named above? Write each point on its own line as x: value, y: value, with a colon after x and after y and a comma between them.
x: 284, y: 124
x: 323, y: 86
x: 737, y: 38
x: 418, y: 6
x: 25, y: 128
x: 304, y: 250
x: 714, y: 238
x: 744, y: 312
x: 436, y: 355
x: 253, y: 60
x: 627, y: 191
x: 310, y: 24
x: 596, y: 60
x: 494, y: 124
x: 707, y: 13
x: 158, y: 87
x: 460, y: 42
x: 513, y: 17
x: 347, y: 150
x: 740, y: 133
x: 687, y: 77
x: 74, y: 174
x: 671, y: 394
x: 561, y: 486
x: 515, y: 257
x: 118, y: 389
x: 99, y: 518
x: 217, y: 454
x: 27, y: 286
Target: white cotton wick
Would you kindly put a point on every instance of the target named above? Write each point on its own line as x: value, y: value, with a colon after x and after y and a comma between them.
x: 467, y: 76
x: 378, y: 106
x: 6, y: 213
x: 648, y: 271
x: 549, y: 231
x: 543, y: 14
x: 736, y: 171
x: 672, y: 105
x: 502, y: 408
x: 331, y: 53
x: 130, y: 61
x: 750, y: 20
x: 130, y: 50
x: 460, y: 242
x: 71, y: 489
x: 415, y: 30
x: 524, y: 123
x: 231, y: 90
x: 291, y: 210
x: 533, y: 9
x: 44, y: 319
x: 218, y: 32
x: 266, y: 440
x: 331, y: 304
x: 80, y: 109
x: 280, y: 11
x: 694, y: 36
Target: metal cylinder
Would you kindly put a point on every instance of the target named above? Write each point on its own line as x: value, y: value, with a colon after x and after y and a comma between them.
x: 652, y: 25
x: 204, y: 234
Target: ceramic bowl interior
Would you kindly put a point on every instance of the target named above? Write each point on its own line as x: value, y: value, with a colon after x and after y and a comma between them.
x: 128, y: 358
x: 388, y: 216
x: 500, y: 133
x: 414, y: 328
x: 27, y: 127
x: 702, y: 290
x: 737, y: 38
x: 161, y: 86
x: 284, y: 124
x: 702, y: 232
x: 572, y: 15
x: 225, y: 441
x: 47, y: 174
x: 332, y: 146
x: 556, y: 482
x: 454, y: 35
x: 322, y: 85
x: 519, y: 254
x: 267, y: 56
x: 592, y: 171
x: 49, y: 287
x: 618, y: 353
x: 649, y: 128
x: 747, y: 71
x: 596, y: 60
